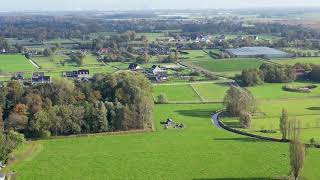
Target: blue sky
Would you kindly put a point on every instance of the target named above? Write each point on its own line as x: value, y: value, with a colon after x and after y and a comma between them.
x: 17, y: 5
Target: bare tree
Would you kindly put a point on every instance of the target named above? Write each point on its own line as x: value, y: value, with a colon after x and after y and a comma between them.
x: 296, y: 149
x: 284, y: 124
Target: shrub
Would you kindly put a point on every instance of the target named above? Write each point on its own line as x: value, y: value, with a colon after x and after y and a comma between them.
x: 162, y: 99
x: 303, y: 89
x: 245, y: 120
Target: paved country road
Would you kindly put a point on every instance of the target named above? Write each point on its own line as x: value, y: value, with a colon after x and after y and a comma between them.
x: 215, y: 120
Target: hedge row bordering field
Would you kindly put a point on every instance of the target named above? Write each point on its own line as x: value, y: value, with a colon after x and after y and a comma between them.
x: 236, y: 131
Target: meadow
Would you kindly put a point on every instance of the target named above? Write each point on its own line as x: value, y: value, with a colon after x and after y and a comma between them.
x: 15, y: 63
x: 200, y: 151
x: 54, y: 66
x: 225, y: 65
x: 177, y: 93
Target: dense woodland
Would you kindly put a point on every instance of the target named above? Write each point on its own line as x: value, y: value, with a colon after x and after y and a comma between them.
x: 119, y: 102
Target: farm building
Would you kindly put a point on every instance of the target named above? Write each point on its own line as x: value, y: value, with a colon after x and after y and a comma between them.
x: 40, y: 78
x: 2, y: 176
x: 247, y: 52
x: 83, y: 73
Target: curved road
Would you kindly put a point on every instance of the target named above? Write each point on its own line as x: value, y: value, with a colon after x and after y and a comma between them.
x: 215, y: 120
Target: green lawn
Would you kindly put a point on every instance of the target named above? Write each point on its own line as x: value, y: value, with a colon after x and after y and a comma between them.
x: 275, y: 91
x: 177, y: 93
x: 212, y: 92
x: 236, y: 64
x: 15, y: 63
x: 200, y: 151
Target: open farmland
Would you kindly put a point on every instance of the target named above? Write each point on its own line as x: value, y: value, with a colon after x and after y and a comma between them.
x: 58, y: 63
x: 177, y: 93
x: 149, y: 155
x: 15, y: 63
x: 275, y: 91
x: 236, y: 64
x: 212, y: 92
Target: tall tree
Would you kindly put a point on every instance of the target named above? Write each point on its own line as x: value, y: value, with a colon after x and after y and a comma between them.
x: 296, y: 149
x: 1, y: 120
x: 102, y: 120
x: 284, y: 124
x: 239, y: 100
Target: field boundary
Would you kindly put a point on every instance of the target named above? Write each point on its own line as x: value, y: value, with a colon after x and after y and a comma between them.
x: 200, y: 97
x: 236, y: 131
x: 216, y: 121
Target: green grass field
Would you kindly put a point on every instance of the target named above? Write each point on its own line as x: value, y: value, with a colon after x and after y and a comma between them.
x: 200, y: 151
x: 301, y: 106
x: 15, y: 63
x: 275, y: 91
x: 177, y: 93
x: 212, y: 92
x: 54, y: 67
x: 237, y: 64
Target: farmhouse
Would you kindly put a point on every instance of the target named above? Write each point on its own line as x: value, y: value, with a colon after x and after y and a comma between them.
x: 2, y: 176
x: 82, y: 73
x: 18, y: 76
x: 162, y: 76
x: 133, y: 66
x: 104, y: 51
x: 266, y: 52
x: 156, y: 69
x: 40, y: 78
x: 3, y: 51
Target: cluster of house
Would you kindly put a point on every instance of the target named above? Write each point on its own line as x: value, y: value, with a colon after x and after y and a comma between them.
x: 82, y: 74
x: 155, y: 72
x: 37, y: 78
x: 41, y: 78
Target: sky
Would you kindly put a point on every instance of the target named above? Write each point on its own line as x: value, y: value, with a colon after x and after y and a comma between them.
x: 62, y: 5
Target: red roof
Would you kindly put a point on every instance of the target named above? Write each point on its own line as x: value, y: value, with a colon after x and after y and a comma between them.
x: 104, y: 51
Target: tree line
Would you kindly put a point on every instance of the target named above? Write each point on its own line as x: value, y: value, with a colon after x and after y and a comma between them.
x: 118, y: 102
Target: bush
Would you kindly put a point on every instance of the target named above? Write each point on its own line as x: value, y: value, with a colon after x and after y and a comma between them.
x: 268, y: 131
x: 303, y: 89
x: 162, y: 99
x: 245, y: 120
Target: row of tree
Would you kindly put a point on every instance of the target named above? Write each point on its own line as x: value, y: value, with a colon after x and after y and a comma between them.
x: 271, y: 73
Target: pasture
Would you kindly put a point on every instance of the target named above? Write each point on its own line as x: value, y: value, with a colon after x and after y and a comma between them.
x: 227, y: 65
x: 213, y: 92
x: 177, y: 93
x: 15, y: 63
x: 200, y: 151
x: 275, y: 91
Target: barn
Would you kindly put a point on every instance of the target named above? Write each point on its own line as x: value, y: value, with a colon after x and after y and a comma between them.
x: 266, y: 52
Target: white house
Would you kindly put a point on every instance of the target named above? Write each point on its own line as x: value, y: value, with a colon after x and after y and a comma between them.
x: 2, y: 176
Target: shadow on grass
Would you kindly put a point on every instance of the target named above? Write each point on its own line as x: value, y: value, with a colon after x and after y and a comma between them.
x: 203, y: 113
x: 232, y: 124
x: 243, y: 139
x: 313, y: 108
x: 253, y: 178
